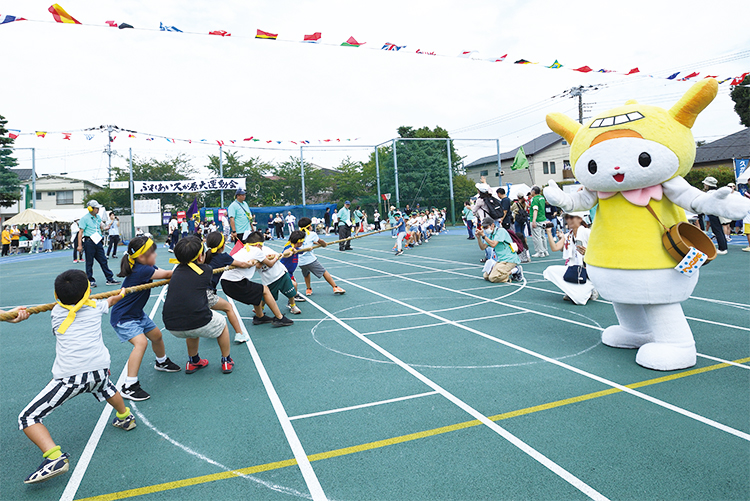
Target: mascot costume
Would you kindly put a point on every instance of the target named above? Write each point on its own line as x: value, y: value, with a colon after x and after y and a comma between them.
x: 631, y: 161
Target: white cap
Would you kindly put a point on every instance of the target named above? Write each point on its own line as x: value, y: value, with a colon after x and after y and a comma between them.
x: 94, y: 204
x: 483, y: 187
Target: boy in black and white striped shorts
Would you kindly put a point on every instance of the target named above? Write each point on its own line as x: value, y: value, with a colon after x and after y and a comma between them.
x: 81, y: 366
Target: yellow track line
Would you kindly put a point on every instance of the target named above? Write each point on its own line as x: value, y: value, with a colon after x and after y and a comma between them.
x: 395, y: 440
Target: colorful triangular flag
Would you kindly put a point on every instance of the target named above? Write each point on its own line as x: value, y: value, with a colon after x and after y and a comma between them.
x: 633, y: 71
x: 555, y: 65
x: 265, y: 35
x: 89, y: 137
x: 124, y: 26
x: 520, y: 161
x: 522, y: 61
x: 583, y: 69
x: 60, y: 15
x: 13, y: 133
x: 673, y: 76
x: 111, y: 23
x: 500, y: 59
x: 9, y: 19
x: 66, y: 135
x: 693, y: 74
x: 164, y: 27
x: 221, y: 33
x: 392, y: 46
x: 352, y: 43
x: 40, y: 133
x: 313, y: 38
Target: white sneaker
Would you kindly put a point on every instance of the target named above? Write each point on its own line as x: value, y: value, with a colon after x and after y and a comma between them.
x: 594, y: 295
x: 721, y: 252
x: 294, y: 310
x: 746, y: 249
x: 241, y: 338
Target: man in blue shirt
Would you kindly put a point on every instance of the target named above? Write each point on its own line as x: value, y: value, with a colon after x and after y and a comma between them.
x: 507, y: 267
x: 345, y: 226
x: 240, y: 218
x: 90, y: 239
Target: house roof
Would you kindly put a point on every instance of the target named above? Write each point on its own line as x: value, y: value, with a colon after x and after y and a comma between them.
x: 735, y: 145
x: 65, y: 178
x: 531, y: 148
x: 23, y: 174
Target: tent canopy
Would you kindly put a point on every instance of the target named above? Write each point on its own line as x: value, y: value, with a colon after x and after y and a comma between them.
x: 32, y: 216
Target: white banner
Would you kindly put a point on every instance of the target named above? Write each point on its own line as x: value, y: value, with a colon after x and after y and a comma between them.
x: 118, y: 185
x: 147, y: 206
x: 188, y: 185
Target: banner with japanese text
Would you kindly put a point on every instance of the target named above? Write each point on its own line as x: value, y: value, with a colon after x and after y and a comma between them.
x: 188, y: 185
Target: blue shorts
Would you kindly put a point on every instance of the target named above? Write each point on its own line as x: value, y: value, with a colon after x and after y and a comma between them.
x: 131, y: 328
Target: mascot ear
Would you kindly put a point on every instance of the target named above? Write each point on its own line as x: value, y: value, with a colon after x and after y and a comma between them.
x: 695, y: 100
x: 563, y: 125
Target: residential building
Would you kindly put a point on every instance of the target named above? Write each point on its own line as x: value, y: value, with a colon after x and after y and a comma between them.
x: 548, y: 155
x: 721, y: 152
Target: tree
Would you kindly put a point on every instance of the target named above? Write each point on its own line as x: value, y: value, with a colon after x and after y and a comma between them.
x: 10, y: 185
x: 741, y: 97
x: 260, y: 189
x: 288, y: 188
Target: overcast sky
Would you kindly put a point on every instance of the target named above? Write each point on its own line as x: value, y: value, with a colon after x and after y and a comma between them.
x: 65, y: 77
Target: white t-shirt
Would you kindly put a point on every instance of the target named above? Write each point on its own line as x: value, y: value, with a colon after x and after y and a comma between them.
x: 237, y: 274
x: 290, y: 219
x: 81, y: 349
x: 570, y: 253
x: 37, y: 234
x: 334, y: 218
x: 309, y: 256
x: 275, y: 272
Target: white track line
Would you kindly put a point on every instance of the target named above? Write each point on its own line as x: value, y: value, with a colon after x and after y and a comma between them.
x: 520, y: 444
x: 410, y: 328
x: 724, y: 361
x: 362, y: 406
x: 644, y: 396
x: 88, y: 451
x: 313, y: 484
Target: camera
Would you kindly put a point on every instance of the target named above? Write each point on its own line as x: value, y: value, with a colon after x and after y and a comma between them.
x: 547, y: 225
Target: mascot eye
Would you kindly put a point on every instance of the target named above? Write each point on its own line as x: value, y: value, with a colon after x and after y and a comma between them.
x: 644, y: 159
x: 592, y: 167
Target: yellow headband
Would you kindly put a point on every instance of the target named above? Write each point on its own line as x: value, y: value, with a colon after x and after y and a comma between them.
x: 85, y: 301
x: 306, y: 228
x: 139, y: 252
x: 192, y: 264
x: 218, y: 247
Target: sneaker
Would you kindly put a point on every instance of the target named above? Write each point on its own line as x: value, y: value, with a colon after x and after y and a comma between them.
x: 48, y: 469
x: 308, y: 292
x: 113, y: 282
x: 721, y: 252
x: 282, y: 322
x: 517, y: 276
x: 483, y: 260
x: 338, y: 290
x: 265, y: 319
x: 240, y: 338
x: 170, y: 250
x: 134, y: 392
x: 594, y: 295
x: 294, y: 309
x: 191, y: 367
x: 746, y: 249
x: 167, y: 366
x: 126, y: 424
x: 300, y: 298
x: 398, y: 253
x: 228, y: 366
x: 93, y: 285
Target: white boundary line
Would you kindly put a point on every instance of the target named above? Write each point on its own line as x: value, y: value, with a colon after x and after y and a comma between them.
x: 88, y: 451
x: 520, y: 444
x: 362, y: 406
x: 716, y: 359
x: 644, y: 396
x: 313, y: 484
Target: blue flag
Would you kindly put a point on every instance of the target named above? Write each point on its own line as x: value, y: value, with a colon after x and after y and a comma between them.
x: 164, y: 27
x: 672, y: 77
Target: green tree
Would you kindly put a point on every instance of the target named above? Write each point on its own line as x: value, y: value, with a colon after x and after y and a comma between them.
x: 260, y: 189
x: 741, y: 97
x: 288, y: 187
x: 10, y: 185
x: 723, y: 174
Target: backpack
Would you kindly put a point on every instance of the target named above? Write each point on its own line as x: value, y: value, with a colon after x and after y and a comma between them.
x: 521, y: 216
x: 494, y: 208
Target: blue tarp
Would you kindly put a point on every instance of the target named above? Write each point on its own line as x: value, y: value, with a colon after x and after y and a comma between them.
x: 261, y: 213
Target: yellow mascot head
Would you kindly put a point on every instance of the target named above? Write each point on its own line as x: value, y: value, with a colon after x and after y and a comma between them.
x: 635, y: 146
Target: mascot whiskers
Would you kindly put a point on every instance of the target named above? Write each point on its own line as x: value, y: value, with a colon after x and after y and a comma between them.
x: 631, y: 161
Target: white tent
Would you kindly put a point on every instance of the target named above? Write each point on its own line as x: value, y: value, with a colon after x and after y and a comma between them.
x: 744, y: 177
x: 32, y: 216
x: 70, y: 215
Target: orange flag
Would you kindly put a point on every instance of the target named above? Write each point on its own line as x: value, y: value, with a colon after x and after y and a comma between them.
x: 61, y: 16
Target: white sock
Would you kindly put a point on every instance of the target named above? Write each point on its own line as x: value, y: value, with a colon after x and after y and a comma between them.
x: 161, y: 360
x: 129, y: 381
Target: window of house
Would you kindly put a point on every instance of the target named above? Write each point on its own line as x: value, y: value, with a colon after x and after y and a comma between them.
x: 545, y: 167
x: 50, y: 193
x: 38, y: 195
x: 497, y: 174
x: 566, y: 164
x: 552, y: 169
x: 65, y: 197
x: 484, y: 173
x: 564, y: 142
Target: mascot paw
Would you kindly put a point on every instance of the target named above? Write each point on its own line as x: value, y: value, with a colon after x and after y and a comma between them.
x: 617, y: 337
x: 666, y: 356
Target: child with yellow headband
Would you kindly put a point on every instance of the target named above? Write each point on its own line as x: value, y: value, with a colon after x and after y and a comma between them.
x: 308, y: 263
x: 186, y: 313
x: 217, y: 258
x: 81, y: 366
x: 129, y: 320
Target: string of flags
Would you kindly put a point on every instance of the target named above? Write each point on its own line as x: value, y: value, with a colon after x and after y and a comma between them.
x: 131, y: 134
x: 61, y: 16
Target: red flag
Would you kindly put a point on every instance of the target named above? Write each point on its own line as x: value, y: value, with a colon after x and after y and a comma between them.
x: 221, y: 33
x: 248, y: 138
x: 60, y: 15
x: 739, y: 79
x: 693, y: 74
x: 710, y: 76
x: 265, y: 35
x: 633, y: 71
x: 501, y: 59
x: 352, y: 43
x: 66, y: 135
x: 220, y: 142
x: 111, y: 23
x: 312, y: 38
x: 583, y: 69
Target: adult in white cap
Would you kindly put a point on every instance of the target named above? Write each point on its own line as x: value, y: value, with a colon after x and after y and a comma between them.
x: 90, y: 241
x: 710, y: 184
x: 240, y: 218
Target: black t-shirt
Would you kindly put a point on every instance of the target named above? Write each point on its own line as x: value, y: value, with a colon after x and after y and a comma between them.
x: 131, y: 306
x: 505, y: 205
x: 549, y: 210
x: 219, y: 260
x: 186, y: 304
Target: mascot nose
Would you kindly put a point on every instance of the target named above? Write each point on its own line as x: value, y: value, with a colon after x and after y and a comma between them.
x: 617, y: 168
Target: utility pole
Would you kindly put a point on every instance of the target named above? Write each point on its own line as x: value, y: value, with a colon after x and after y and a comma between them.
x: 578, y: 92
x: 33, y: 178
x: 109, y: 154
x: 221, y: 170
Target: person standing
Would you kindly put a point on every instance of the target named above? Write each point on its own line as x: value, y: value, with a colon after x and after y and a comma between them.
x: 468, y: 216
x: 6, y: 240
x: 278, y: 224
x: 77, y: 255
x: 290, y: 220
x: 184, y: 227
x: 710, y: 184
x: 90, y: 239
x: 36, y: 240
x: 345, y: 226
x: 15, y: 238
x: 114, y: 235
x: 505, y: 220
x: 357, y: 220
x: 376, y: 220
x: 174, y: 234
x: 239, y: 214
x: 538, y: 218
x: 327, y: 220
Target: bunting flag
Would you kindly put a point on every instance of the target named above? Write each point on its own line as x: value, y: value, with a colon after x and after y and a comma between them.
x: 60, y: 15
x: 220, y: 142
x: 499, y: 59
x: 520, y: 161
x: 9, y: 19
x: 221, y: 33
x: 66, y: 135
x: 352, y: 43
x: 164, y: 27
x: 124, y: 26
x: 673, y: 76
x: 392, y: 46
x: 312, y: 38
x: 633, y: 71
x: 605, y: 71
x: 522, y: 61
x: 725, y: 80
x: 693, y: 74
x: 40, y: 133
x: 265, y: 35
x: 739, y: 79
x: 89, y: 137
x: 111, y: 23
x: 419, y: 51
x: 131, y: 136
x: 13, y: 133
x: 169, y: 140
x: 554, y: 65
x: 113, y: 139
x: 583, y: 69
x: 249, y: 138
x: 710, y: 76
x: 149, y: 139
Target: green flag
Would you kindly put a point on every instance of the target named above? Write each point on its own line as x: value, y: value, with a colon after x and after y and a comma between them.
x: 520, y: 162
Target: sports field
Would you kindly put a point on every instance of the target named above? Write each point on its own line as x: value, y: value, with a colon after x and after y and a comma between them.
x: 422, y: 382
